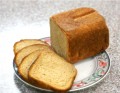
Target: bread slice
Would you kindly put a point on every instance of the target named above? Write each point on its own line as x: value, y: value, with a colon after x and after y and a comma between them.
x: 26, y: 51
x: 28, y: 61
x: 26, y: 42
x: 52, y: 72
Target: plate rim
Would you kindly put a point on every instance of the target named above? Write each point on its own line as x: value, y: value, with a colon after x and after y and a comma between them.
x: 102, y: 78
x: 77, y: 89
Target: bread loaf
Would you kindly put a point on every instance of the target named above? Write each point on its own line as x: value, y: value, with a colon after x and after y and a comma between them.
x: 51, y: 71
x: 78, y: 34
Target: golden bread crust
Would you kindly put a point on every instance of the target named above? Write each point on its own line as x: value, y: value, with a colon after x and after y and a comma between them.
x: 85, y: 30
x: 26, y: 42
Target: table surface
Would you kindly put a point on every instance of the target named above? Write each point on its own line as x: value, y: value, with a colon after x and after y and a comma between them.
x: 18, y: 14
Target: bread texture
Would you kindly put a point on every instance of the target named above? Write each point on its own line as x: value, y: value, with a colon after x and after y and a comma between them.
x: 52, y: 72
x: 78, y: 34
x: 26, y: 42
x: 26, y: 51
x: 29, y: 60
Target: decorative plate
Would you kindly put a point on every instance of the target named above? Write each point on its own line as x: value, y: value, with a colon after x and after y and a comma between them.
x: 90, y: 71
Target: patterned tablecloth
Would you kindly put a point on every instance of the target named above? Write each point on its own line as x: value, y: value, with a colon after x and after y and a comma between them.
x: 14, y: 14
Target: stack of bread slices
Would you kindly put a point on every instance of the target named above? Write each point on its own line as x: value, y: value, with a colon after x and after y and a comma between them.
x: 39, y: 65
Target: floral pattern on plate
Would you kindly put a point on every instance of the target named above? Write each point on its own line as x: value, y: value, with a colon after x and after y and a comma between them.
x: 103, y: 66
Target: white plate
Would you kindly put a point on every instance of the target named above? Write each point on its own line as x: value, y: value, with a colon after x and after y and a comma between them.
x: 90, y: 71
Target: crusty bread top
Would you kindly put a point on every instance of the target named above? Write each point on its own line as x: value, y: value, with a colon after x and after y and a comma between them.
x: 26, y: 42
x: 26, y: 51
x: 53, y: 71
x: 29, y: 60
x: 76, y: 18
x: 81, y: 28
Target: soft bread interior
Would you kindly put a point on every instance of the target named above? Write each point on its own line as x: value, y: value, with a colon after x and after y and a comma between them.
x: 26, y: 51
x: 28, y: 61
x: 53, y: 71
x: 58, y: 40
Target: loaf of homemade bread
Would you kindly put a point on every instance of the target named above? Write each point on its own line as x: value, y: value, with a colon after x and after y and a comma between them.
x: 26, y: 42
x: 29, y: 60
x: 26, y: 51
x: 52, y: 72
x: 78, y: 34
